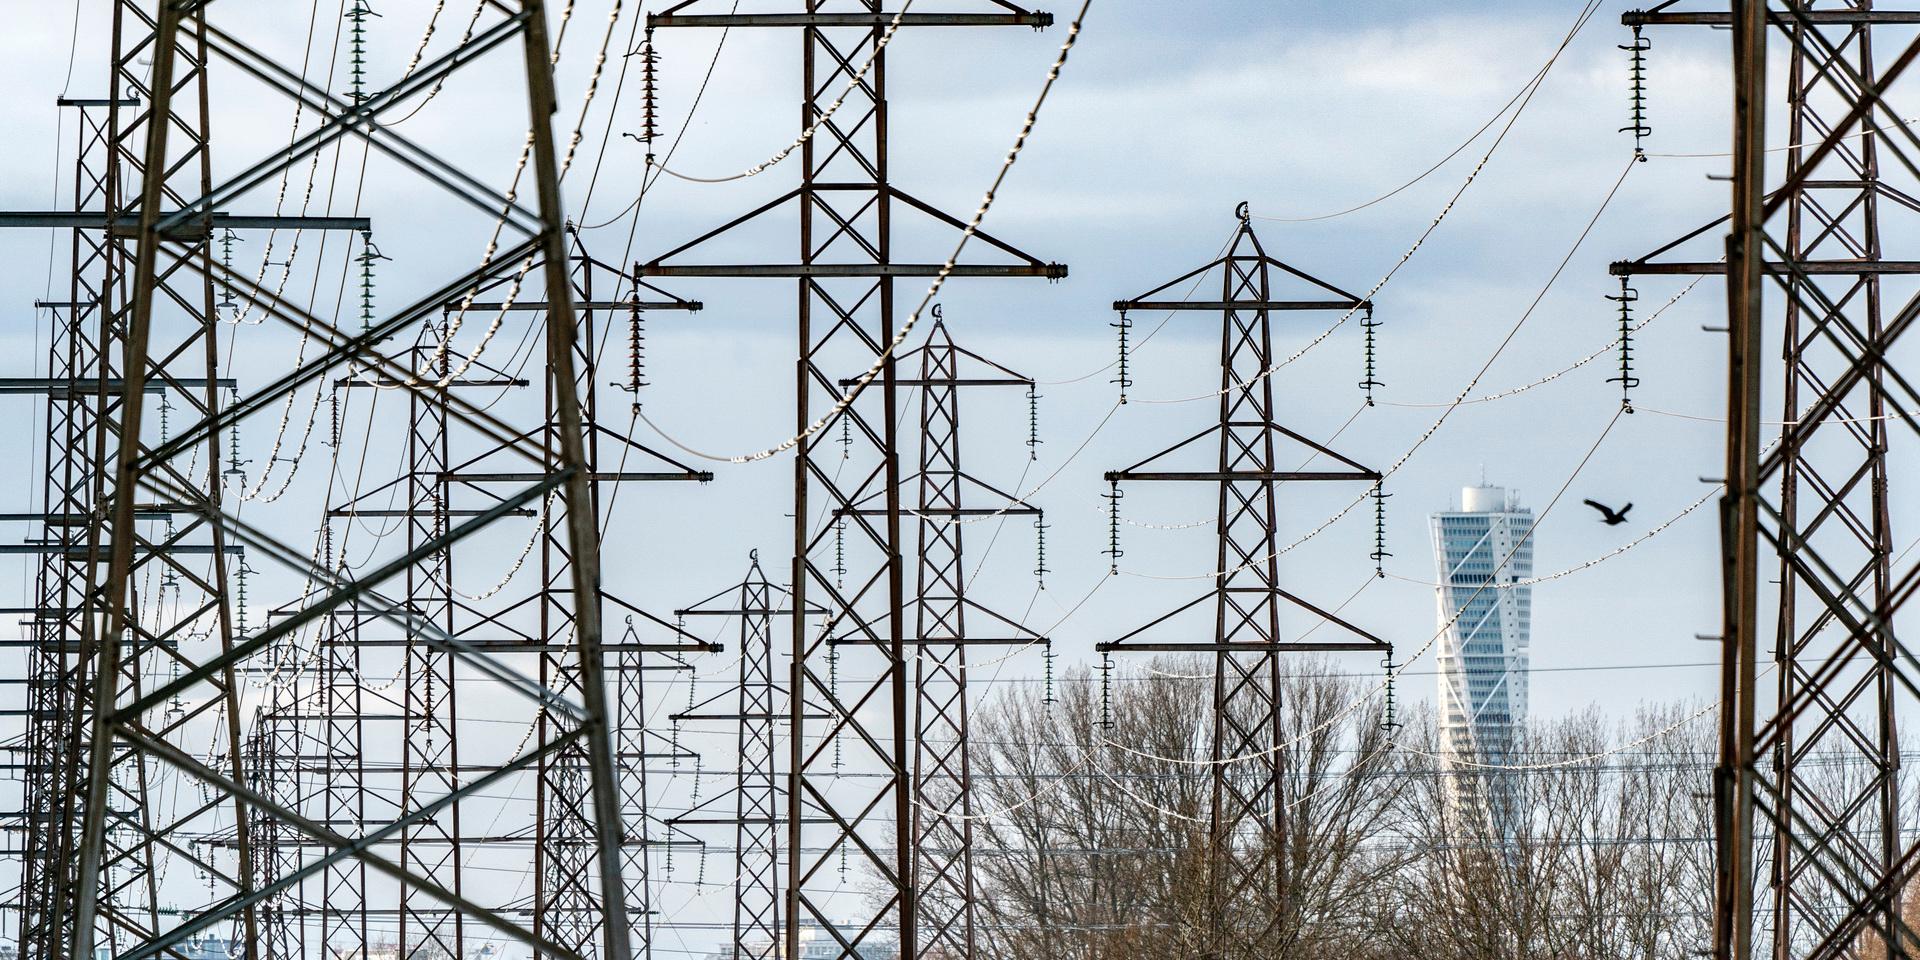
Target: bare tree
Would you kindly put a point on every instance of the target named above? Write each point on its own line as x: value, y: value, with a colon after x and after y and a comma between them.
x: 1095, y: 844
x: 1101, y: 849
x: 1608, y: 857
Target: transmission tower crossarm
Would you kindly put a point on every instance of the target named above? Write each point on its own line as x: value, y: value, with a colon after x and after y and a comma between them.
x: 1215, y: 306
x: 1722, y: 18
x: 1225, y: 476
x: 193, y: 226
x: 878, y: 20
x: 1813, y: 268
x: 855, y: 270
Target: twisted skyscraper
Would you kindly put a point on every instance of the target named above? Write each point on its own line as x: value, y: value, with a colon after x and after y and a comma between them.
x: 1483, y: 550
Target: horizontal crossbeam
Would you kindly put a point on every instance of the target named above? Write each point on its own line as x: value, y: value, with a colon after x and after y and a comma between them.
x: 882, y: 20
x: 1634, y: 268
x: 690, y: 306
x: 195, y: 227
x: 1114, y: 476
x: 700, y: 475
x: 1218, y: 305
x: 1711, y: 18
x: 1235, y: 647
x: 1051, y: 271
x: 90, y: 386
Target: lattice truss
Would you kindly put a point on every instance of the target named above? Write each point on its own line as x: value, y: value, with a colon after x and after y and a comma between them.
x: 1833, y: 850
x: 311, y: 804
x: 756, y: 705
x: 848, y: 214
x: 1247, y: 887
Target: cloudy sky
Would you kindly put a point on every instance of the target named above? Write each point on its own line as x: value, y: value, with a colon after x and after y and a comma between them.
x: 1166, y: 116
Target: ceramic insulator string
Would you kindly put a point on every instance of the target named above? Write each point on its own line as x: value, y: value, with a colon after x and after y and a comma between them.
x: 1370, y: 380
x: 240, y: 597
x: 1121, y: 377
x: 840, y: 552
x: 1387, y: 705
x: 368, y: 254
x: 1637, y: 96
x: 1113, y: 552
x: 357, y: 85
x: 636, y: 349
x: 649, y: 94
x: 1040, y: 569
x: 1106, y: 691
x: 1626, y: 379
x: 1033, y: 424
x: 673, y: 742
x: 235, y: 465
x: 226, y: 261
x: 1379, y: 554
x: 833, y: 691
x: 1047, y: 697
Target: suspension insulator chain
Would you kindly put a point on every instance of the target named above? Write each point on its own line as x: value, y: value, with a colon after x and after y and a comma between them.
x: 368, y: 254
x: 840, y: 552
x: 1387, y: 707
x: 240, y: 597
x: 1040, y: 569
x: 1033, y: 424
x: 636, y: 350
x: 1124, y: 326
x: 649, y: 94
x: 673, y: 737
x: 1379, y: 554
x: 1371, y: 380
x: 358, y: 16
x: 227, y: 240
x: 1626, y: 379
x: 833, y: 690
x: 1637, y: 72
x: 1113, y: 551
x: 1106, y: 691
x: 1048, y: 698
x: 235, y: 465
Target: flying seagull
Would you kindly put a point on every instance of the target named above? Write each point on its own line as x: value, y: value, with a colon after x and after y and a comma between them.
x: 1608, y: 515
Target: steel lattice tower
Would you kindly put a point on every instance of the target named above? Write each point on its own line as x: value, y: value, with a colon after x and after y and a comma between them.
x: 159, y: 339
x: 123, y: 635
x: 942, y: 827
x: 566, y: 896
x: 55, y: 673
x: 1838, y: 863
x: 845, y: 207
x: 758, y: 704
x: 1247, y: 823
x: 565, y: 901
x: 942, y: 830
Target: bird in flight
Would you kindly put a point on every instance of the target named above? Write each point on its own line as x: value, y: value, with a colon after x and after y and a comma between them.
x: 1608, y: 515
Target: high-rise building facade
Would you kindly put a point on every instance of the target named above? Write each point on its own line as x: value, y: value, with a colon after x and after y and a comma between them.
x: 1481, y: 550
